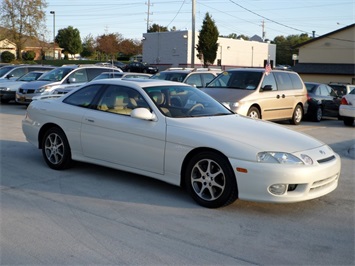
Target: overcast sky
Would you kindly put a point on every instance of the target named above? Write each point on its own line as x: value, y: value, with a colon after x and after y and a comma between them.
x: 129, y: 18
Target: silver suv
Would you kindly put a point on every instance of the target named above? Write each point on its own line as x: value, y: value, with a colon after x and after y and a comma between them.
x: 197, y: 77
x: 255, y: 92
x: 70, y: 76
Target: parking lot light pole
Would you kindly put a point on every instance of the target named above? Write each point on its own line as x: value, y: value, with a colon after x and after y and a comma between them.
x: 53, y: 13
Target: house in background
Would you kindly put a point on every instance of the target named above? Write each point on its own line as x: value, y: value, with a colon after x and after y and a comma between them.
x: 173, y: 49
x: 8, y: 46
x: 30, y: 44
x: 328, y: 58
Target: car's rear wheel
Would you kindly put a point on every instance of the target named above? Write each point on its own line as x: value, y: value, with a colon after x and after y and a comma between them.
x: 210, y: 180
x: 254, y: 113
x: 318, y: 114
x: 297, y: 115
x: 56, y: 149
x: 348, y: 121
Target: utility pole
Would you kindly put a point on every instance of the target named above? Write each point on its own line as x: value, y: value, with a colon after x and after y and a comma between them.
x: 263, y: 29
x: 193, y: 34
x: 148, y: 14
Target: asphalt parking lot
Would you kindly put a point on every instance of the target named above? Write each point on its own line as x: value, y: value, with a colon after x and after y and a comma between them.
x: 91, y: 215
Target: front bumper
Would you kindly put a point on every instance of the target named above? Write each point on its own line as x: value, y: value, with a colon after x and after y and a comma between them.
x: 304, y: 182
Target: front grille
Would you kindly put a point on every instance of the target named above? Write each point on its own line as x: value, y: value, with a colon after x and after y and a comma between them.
x: 23, y: 91
x: 326, y: 159
x: 320, y: 184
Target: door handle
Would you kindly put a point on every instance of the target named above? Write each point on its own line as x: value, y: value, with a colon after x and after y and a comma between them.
x: 89, y: 119
x: 277, y: 96
x: 283, y: 96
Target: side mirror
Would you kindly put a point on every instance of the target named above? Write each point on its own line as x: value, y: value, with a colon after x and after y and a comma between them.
x: 9, y: 76
x: 266, y: 88
x: 144, y: 114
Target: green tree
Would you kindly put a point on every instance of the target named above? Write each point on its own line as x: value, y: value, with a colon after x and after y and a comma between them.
x: 157, y: 28
x: 69, y: 39
x: 88, y: 47
x: 207, y: 41
x: 23, y: 19
x: 287, y: 46
x: 7, y: 57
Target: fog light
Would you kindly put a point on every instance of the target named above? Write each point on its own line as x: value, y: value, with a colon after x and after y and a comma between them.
x: 278, y: 189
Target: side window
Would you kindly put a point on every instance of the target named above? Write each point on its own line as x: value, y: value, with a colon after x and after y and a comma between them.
x: 283, y: 81
x: 83, y: 97
x: 120, y: 100
x: 94, y: 72
x: 324, y: 91
x: 194, y: 80
x: 296, y: 81
x: 78, y: 76
x: 18, y: 72
x: 269, y: 81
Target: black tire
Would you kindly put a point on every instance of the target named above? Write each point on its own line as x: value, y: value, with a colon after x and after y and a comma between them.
x: 55, y: 149
x: 297, y: 115
x: 348, y: 121
x: 254, y: 113
x: 318, y: 114
x: 4, y: 100
x: 210, y: 180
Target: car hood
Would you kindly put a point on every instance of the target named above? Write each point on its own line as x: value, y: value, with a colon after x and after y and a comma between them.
x: 239, y: 131
x: 36, y: 84
x: 227, y: 94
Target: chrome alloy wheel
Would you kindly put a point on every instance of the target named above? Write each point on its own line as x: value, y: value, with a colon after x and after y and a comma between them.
x: 208, y: 179
x: 54, y: 148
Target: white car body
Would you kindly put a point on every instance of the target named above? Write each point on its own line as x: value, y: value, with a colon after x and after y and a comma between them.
x: 347, y: 108
x: 159, y: 146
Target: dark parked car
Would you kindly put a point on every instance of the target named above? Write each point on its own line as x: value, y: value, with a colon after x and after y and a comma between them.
x: 141, y: 67
x: 322, y: 100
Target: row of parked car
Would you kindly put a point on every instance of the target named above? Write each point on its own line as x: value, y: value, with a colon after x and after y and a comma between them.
x: 275, y: 95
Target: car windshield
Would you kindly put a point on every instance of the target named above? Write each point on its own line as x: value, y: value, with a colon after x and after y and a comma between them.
x: 170, y: 76
x: 310, y: 86
x: 30, y: 76
x: 56, y: 74
x: 185, y: 101
x: 246, y: 80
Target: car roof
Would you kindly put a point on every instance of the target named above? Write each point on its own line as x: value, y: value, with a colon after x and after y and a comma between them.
x: 139, y: 82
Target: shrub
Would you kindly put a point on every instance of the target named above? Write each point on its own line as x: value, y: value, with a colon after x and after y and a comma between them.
x: 28, y: 55
x: 7, y: 57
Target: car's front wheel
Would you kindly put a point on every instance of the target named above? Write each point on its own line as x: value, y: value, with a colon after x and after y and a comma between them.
x: 210, y: 180
x: 56, y: 149
x: 254, y: 113
x: 297, y: 115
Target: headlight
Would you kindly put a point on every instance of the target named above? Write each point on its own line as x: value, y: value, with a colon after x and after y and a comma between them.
x: 278, y: 157
x: 42, y: 89
x: 4, y: 89
x: 231, y: 105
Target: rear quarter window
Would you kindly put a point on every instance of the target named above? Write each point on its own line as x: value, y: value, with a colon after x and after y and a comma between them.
x: 283, y: 81
x: 297, y: 83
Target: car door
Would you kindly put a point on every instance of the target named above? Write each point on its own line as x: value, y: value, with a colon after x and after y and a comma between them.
x: 270, y: 98
x: 119, y: 139
x: 329, y: 100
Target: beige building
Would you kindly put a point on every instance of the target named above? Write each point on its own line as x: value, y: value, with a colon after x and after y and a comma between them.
x: 328, y: 58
